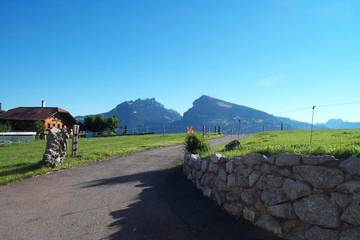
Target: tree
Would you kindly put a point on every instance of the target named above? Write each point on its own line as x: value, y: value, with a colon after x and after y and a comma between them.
x: 125, y: 130
x: 89, y: 123
x: 98, y: 123
x: 5, y: 126
x: 112, y: 123
x: 39, y: 128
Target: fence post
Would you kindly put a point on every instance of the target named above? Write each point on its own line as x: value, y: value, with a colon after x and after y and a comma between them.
x: 75, y: 139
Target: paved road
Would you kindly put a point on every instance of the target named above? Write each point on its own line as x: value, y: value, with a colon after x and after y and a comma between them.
x: 142, y: 196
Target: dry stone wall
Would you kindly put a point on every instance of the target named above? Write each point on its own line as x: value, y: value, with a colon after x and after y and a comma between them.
x: 296, y: 197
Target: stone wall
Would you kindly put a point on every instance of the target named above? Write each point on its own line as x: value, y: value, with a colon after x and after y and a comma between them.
x: 296, y: 197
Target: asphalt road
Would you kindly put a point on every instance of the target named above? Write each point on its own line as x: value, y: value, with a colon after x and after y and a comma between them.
x: 142, y: 196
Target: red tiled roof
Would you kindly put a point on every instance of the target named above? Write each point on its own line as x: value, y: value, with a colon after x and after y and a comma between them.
x: 31, y: 113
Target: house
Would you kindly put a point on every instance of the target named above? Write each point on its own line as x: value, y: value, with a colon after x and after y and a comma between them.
x: 25, y: 119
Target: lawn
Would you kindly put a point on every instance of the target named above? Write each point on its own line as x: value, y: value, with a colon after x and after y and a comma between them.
x: 18, y: 161
x: 340, y: 143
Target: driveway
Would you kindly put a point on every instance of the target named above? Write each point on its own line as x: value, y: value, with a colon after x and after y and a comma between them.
x: 141, y: 196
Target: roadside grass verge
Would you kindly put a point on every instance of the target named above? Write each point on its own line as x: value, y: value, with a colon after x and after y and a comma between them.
x: 339, y: 143
x: 18, y: 161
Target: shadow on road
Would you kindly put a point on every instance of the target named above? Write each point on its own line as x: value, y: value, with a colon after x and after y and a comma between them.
x: 170, y: 207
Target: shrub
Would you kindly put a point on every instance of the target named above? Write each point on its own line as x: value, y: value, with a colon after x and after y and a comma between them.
x: 195, y: 144
x: 233, y: 145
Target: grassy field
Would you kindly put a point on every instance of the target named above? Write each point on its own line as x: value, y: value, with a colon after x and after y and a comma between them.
x: 18, y: 161
x: 340, y: 143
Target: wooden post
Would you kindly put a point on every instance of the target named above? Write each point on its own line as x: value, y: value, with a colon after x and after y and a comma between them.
x: 75, y: 139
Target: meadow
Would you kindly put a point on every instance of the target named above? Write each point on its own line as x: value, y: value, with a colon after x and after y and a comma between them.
x: 339, y: 143
x: 21, y: 160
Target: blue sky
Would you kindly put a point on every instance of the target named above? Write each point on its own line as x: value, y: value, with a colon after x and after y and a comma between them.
x: 273, y: 55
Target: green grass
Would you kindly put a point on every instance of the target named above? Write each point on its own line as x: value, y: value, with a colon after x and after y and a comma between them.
x: 340, y: 143
x: 18, y: 161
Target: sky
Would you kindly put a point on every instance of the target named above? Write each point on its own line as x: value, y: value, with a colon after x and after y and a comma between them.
x: 273, y: 55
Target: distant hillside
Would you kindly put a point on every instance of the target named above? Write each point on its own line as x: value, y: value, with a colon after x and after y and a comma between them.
x: 144, y: 115
x: 340, y: 124
x: 211, y: 112
x: 148, y: 115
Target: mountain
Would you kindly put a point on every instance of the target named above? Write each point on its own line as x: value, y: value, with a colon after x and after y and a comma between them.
x: 148, y: 115
x: 210, y: 112
x: 341, y: 124
x: 145, y: 115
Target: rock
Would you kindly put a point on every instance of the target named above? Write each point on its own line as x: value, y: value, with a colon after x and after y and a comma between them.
x: 273, y: 197
x: 270, y: 160
x: 254, y: 159
x: 250, y: 214
x: 204, y: 165
x: 231, y: 180
x: 56, y: 147
x: 222, y: 174
x: 267, y: 168
x: 289, y: 224
x: 269, y: 223
x: 208, y: 179
x: 229, y: 166
x: 318, y: 210
x: 271, y: 181
x: 318, y: 160
x: 233, y: 208
x: 195, y: 161
x: 233, y: 195
x: 243, y: 170
x: 253, y: 177
x: 216, y: 157
x: 284, y: 172
x: 213, y: 167
x: 249, y: 196
x: 321, y: 234
x: 237, y: 161
x: 199, y: 174
x: 282, y: 211
x: 320, y: 177
x: 351, y: 165
x: 221, y: 185
x: 295, y: 189
x: 342, y: 200
x: 349, y: 187
x: 287, y: 159
x: 297, y: 234
x: 352, y: 213
x: 350, y: 234
x: 219, y: 198
x: 242, y: 181
x: 206, y: 191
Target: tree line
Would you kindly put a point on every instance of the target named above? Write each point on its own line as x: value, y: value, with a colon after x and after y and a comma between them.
x: 99, y: 123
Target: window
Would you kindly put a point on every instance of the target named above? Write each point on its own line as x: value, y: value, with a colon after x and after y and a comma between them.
x: 49, y: 125
x: 58, y: 125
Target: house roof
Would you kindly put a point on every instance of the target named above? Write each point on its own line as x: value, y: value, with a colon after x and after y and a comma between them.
x: 32, y: 113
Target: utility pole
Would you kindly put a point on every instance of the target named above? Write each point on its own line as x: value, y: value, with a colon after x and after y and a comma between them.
x: 263, y: 127
x: 203, y: 131
x: 239, y: 121
x: 282, y: 126
x: 312, y: 124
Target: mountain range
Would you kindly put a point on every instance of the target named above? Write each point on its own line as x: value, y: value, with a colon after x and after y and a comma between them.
x: 148, y: 115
